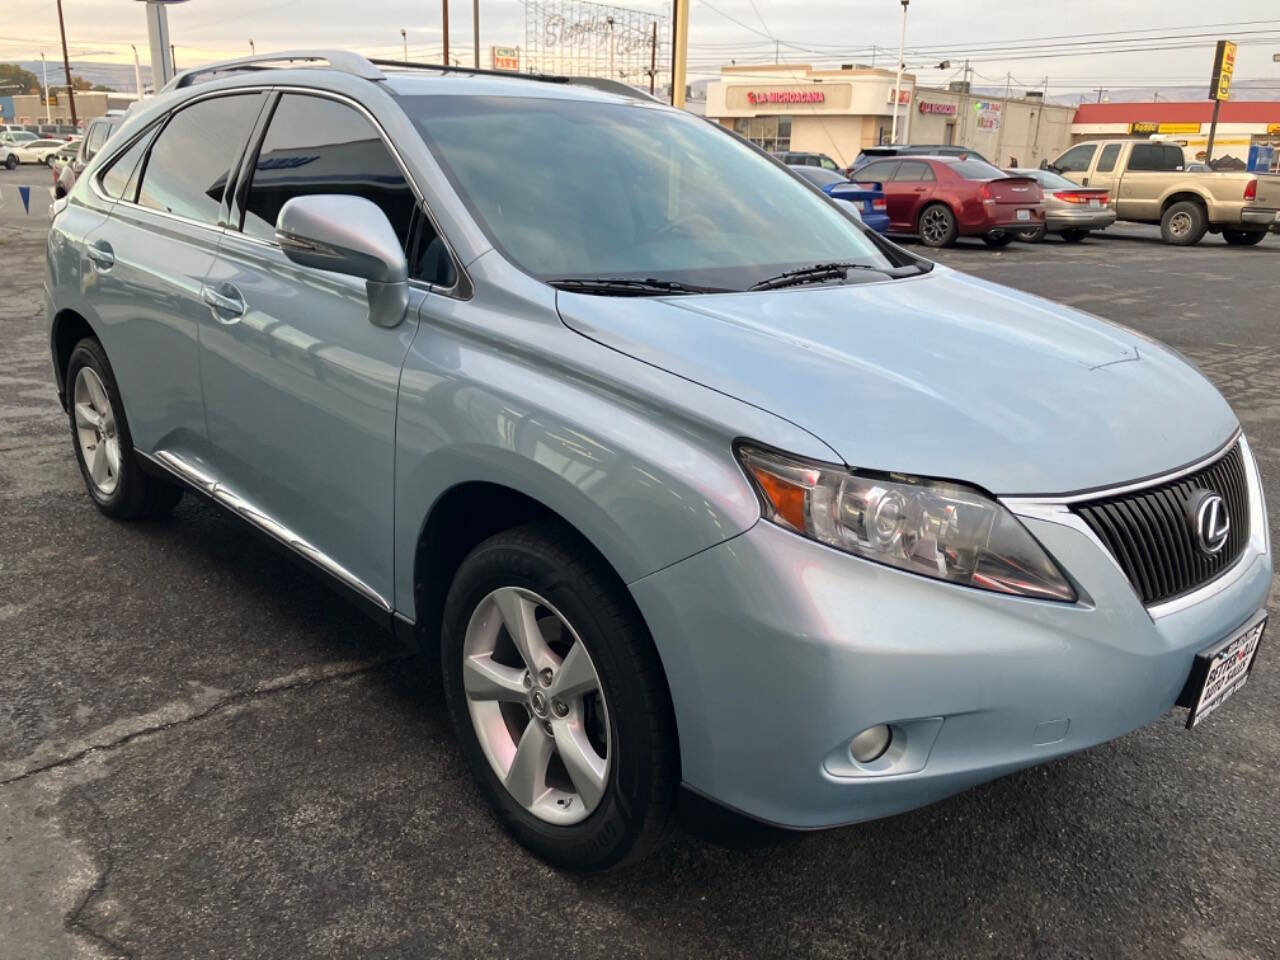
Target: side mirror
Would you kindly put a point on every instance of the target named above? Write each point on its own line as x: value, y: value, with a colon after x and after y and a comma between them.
x: 351, y: 235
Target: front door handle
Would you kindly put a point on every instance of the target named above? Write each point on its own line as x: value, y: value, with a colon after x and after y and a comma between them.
x: 227, y: 303
x: 100, y: 255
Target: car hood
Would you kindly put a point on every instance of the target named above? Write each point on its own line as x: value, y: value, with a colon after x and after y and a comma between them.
x: 943, y: 375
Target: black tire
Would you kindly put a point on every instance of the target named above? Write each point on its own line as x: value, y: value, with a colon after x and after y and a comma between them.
x: 11, y: 162
x: 644, y: 773
x: 1242, y: 238
x: 999, y: 238
x: 1184, y: 224
x: 1032, y: 236
x: 1073, y: 236
x: 137, y: 494
x: 937, y: 226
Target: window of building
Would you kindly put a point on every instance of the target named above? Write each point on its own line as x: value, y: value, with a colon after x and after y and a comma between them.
x: 1077, y: 158
x: 316, y: 145
x: 187, y: 170
x: 1107, y: 158
x: 769, y: 133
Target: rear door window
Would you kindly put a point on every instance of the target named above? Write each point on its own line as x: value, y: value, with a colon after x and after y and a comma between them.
x: 914, y: 171
x: 1107, y: 158
x: 188, y: 168
x: 316, y: 145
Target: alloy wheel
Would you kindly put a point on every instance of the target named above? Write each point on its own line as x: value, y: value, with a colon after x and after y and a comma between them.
x: 537, y: 705
x: 934, y: 225
x: 96, y: 432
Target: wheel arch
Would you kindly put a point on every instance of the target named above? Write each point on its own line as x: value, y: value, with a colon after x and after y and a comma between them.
x: 68, y: 329
x: 1188, y: 195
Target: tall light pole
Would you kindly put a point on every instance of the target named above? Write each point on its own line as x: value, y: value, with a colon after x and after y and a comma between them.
x: 253, y: 51
x: 44, y: 72
x: 446, y: 31
x: 137, y: 70
x: 475, y: 28
x: 897, y: 84
x: 404, y: 39
x: 679, y: 50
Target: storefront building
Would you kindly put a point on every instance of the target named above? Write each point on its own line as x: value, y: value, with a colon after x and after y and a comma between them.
x: 1243, y: 126
x: 841, y: 112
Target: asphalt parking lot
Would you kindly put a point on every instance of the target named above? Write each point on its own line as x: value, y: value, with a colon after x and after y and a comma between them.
x: 204, y: 753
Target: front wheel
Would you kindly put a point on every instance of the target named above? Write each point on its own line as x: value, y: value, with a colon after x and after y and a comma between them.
x: 998, y: 238
x: 1242, y: 238
x: 10, y: 162
x: 937, y: 226
x: 1074, y: 236
x: 558, y: 699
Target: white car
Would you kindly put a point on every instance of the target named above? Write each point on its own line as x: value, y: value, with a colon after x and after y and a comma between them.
x: 31, y: 151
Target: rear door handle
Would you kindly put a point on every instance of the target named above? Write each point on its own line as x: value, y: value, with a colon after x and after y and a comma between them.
x: 227, y: 303
x: 100, y: 254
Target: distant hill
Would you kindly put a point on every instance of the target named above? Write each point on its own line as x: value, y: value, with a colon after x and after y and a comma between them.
x: 1240, y: 90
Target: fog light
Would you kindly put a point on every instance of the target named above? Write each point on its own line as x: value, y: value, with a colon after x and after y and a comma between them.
x: 871, y: 743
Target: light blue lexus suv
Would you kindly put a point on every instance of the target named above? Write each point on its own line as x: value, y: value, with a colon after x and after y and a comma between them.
x: 686, y: 477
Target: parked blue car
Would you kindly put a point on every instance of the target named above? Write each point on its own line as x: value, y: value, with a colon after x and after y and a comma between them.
x: 867, y: 198
x: 680, y: 476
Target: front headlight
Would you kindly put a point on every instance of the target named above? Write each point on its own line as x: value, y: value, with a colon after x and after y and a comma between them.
x: 938, y: 529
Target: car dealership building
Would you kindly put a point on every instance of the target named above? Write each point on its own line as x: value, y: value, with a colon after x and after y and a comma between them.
x: 842, y: 111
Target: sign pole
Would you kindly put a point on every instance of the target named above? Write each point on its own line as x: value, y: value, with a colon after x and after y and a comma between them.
x: 1224, y: 66
x: 1213, y: 132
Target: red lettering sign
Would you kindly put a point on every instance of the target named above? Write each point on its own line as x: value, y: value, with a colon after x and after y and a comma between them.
x: 943, y: 109
x: 786, y: 96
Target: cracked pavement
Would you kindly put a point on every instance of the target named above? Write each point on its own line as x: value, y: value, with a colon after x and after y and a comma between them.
x: 205, y: 753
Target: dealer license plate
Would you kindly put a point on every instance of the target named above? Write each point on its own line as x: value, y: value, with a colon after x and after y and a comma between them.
x: 1024, y: 214
x: 1222, y: 670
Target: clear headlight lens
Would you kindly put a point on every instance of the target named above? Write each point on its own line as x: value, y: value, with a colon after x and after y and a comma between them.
x: 938, y: 529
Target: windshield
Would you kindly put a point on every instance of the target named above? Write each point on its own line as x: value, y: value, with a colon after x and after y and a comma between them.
x: 579, y: 188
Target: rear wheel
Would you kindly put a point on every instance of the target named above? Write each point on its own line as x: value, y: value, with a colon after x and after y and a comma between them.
x: 104, y: 447
x: 937, y: 227
x: 1032, y: 236
x: 1074, y: 236
x: 1242, y: 238
x: 558, y: 699
x: 1184, y: 223
x: 998, y: 238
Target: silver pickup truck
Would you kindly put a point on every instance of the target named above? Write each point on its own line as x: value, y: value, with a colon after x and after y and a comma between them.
x: 1148, y: 183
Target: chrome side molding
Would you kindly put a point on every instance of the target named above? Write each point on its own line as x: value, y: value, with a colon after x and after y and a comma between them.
x: 220, y: 492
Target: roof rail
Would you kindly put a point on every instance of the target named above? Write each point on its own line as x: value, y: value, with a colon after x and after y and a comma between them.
x: 343, y: 60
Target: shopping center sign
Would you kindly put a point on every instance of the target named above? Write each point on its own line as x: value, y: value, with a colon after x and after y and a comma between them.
x: 1224, y: 66
x: 756, y: 97
x: 942, y: 109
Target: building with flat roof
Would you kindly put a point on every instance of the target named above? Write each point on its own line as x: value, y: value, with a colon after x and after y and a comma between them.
x: 842, y: 112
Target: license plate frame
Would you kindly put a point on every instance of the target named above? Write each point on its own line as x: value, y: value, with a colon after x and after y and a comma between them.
x: 1024, y: 215
x: 1219, y: 671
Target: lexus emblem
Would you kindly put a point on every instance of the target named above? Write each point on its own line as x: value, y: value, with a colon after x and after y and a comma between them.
x: 1210, y: 523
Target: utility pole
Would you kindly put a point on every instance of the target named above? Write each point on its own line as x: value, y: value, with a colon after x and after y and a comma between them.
x: 446, y: 32
x: 873, y: 56
x: 404, y: 40
x: 897, y: 84
x: 44, y: 71
x: 475, y: 29
x: 653, y: 57
x: 609, y: 21
x: 1008, y: 85
x: 173, y: 60
x: 679, y: 50
x: 1101, y: 91
x: 66, y: 65
x: 253, y: 51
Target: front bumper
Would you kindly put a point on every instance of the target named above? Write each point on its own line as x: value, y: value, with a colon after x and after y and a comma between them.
x: 778, y: 650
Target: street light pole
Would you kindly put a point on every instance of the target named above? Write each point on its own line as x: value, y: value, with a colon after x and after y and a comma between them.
x: 475, y: 29
x: 66, y: 65
x: 44, y: 72
x: 404, y: 39
x: 253, y: 51
x: 446, y: 31
x: 137, y: 70
x: 897, y: 85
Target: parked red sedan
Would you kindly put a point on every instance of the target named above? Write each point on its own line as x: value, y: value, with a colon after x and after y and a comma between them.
x: 941, y: 198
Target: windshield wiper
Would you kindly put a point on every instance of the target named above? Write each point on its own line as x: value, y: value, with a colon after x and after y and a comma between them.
x: 629, y: 286
x: 819, y: 273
